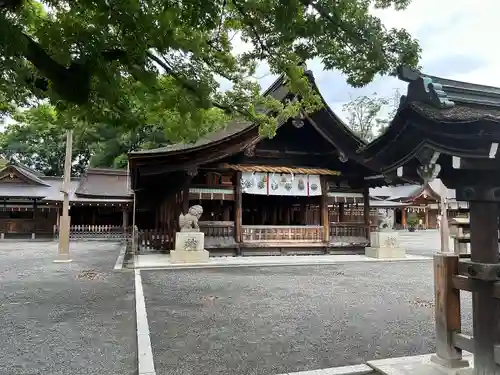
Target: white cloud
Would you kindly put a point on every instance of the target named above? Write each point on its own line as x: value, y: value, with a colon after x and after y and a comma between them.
x: 458, y: 39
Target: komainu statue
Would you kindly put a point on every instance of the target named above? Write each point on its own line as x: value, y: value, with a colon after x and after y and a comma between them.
x: 189, y: 221
x: 384, y: 220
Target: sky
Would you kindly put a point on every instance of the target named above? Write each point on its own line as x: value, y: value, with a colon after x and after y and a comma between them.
x: 458, y: 40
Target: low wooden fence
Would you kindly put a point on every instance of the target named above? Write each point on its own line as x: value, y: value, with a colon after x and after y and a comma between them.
x: 220, y: 234
x: 347, y: 229
x: 281, y: 233
x: 153, y: 239
x: 96, y: 232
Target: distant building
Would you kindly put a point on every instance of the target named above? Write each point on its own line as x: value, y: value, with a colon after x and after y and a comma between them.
x: 30, y: 202
x: 420, y: 199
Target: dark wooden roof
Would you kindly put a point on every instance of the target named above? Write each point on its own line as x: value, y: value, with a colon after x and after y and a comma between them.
x: 104, y: 183
x: 438, y: 119
x: 277, y: 90
x: 325, y: 121
x: 26, y: 173
x: 96, y: 185
x: 242, y: 134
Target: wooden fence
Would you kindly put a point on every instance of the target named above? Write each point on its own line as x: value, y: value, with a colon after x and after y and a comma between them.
x: 96, y: 232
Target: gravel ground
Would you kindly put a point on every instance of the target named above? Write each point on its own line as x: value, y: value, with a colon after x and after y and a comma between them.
x: 66, y: 319
x: 282, y: 319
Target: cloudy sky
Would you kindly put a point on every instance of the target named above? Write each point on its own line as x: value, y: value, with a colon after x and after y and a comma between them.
x: 458, y: 39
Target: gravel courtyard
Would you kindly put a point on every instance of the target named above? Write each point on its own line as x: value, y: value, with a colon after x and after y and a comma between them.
x: 283, y: 319
x: 65, y: 319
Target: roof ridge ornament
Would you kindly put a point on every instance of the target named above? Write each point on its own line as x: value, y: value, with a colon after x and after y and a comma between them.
x: 422, y: 89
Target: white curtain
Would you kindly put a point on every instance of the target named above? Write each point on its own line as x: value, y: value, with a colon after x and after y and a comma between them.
x: 296, y: 185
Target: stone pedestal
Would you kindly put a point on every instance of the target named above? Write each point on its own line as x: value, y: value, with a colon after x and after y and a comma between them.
x: 385, y: 244
x: 189, y: 248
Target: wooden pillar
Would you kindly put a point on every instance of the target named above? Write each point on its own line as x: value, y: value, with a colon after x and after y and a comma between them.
x: 65, y: 221
x: 447, y: 311
x: 226, y: 213
x: 185, y: 195
x: 341, y: 212
x: 426, y: 217
x: 324, y: 209
x: 485, y: 308
x: 124, y: 218
x: 403, y: 217
x: 303, y: 213
x: 237, y: 208
x: 366, y: 212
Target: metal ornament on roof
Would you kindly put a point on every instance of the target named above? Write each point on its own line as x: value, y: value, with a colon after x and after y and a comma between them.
x: 422, y: 89
x: 428, y: 172
x: 298, y: 121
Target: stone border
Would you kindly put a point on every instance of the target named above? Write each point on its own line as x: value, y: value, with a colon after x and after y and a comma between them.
x: 278, y: 263
x: 144, y: 349
x: 120, y: 261
x: 344, y: 370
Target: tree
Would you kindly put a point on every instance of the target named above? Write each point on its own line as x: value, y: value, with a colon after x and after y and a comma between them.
x: 369, y: 116
x: 102, y: 55
x: 37, y: 139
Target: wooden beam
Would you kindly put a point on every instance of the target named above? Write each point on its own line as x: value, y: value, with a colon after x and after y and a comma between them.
x: 463, y: 341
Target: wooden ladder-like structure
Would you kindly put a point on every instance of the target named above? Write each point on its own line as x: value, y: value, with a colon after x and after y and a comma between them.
x: 479, y: 275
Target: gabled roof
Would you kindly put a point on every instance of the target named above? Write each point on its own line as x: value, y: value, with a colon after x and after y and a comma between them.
x: 24, y: 173
x: 325, y: 121
x: 97, y: 184
x: 104, y: 183
x: 412, y: 191
x: 277, y: 90
x: 440, y: 115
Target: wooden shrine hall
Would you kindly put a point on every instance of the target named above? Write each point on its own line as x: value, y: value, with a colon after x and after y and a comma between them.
x: 450, y: 129
x: 260, y: 195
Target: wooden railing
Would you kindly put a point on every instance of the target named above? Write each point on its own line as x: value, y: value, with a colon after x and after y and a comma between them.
x: 217, y: 228
x: 96, y: 232
x: 153, y: 239
x: 349, y: 229
x: 282, y: 233
x: 25, y: 226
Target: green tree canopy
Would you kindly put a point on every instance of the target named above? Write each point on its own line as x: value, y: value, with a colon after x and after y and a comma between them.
x: 107, y: 57
x: 38, y: 135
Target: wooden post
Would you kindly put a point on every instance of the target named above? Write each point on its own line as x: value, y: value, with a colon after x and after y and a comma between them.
x: 403, y: 217
x: 366, y: 212
x: 124, y: 219
x: 444, y: 227
x: 237, y: 208
x: 134, y: 230
x: 341, y: 212
x: 447, y: 311
x: 485, y: 308
x: 426, y: 217
x: 185, y: 195
x: 324, y: 209
x: 65, y: 221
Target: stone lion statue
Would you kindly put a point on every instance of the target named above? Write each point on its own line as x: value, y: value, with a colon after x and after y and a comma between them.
x: 384, y: 221
x: 189, y: 221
